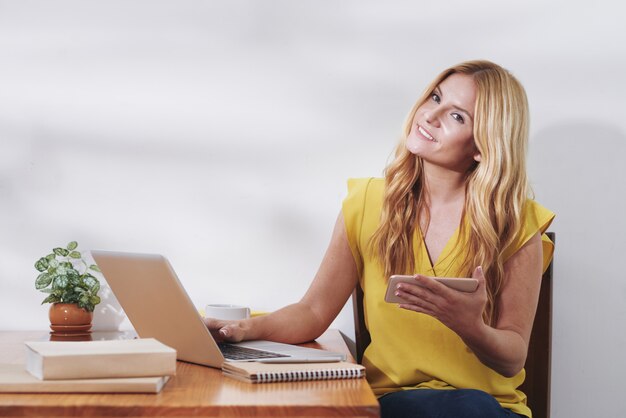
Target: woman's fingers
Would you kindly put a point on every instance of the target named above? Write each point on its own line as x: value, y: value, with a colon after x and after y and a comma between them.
x: 232, y: 333
x: 417, y: 297
x: 223, y: 330
x: 421, y: 292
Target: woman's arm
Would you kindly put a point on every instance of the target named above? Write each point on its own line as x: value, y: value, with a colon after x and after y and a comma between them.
x: 504, y: 347
x: 309, y: 318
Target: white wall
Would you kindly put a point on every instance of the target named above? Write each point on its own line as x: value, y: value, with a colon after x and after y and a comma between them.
x: 221, y: 134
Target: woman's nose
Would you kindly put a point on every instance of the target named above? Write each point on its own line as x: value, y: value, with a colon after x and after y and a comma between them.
x: 432, y: 117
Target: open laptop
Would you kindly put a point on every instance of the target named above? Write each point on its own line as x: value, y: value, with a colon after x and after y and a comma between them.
x: 158, y: 307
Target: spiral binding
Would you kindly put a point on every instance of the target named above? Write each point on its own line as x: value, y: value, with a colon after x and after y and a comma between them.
x: 296, y: 376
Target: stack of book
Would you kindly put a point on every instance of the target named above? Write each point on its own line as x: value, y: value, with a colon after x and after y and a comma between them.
x: 122, y: 366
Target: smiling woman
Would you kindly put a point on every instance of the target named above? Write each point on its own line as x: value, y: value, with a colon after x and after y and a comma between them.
x: 453, y: 203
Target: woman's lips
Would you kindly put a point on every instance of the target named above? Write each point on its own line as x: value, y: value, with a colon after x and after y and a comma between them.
x: 425, y: 134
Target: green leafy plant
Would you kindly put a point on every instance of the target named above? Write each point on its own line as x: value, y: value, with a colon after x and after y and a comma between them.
x: 66, y: 278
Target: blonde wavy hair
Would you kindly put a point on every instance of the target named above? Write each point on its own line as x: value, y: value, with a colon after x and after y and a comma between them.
x: 496, y: 188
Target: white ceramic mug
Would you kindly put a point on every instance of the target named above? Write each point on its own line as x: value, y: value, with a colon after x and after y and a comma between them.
x: 224, y: 311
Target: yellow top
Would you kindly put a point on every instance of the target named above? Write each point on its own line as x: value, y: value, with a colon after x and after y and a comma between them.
x: 411, y: 350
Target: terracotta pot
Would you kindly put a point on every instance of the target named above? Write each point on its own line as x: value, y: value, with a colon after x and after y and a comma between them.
x: 69, y: 314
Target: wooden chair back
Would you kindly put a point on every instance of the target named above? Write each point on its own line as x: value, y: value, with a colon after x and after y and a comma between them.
x: 538, y: 362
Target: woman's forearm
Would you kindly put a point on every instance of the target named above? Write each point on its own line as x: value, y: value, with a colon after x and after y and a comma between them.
x: 293, y: 324
x: 504, y: 347
x: 501, y: 350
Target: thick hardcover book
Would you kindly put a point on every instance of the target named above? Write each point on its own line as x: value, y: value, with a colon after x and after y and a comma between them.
x: 255, y: 372
x: 50, y: 360
x: 15, y: 379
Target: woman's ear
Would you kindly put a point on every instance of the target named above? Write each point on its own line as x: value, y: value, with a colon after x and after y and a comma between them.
x: 477, y: 157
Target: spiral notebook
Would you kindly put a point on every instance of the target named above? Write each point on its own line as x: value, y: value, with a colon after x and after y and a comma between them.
x: 254, y: 372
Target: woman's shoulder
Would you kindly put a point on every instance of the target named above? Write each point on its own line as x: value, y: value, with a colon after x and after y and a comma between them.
x: 363, y: 203
x: 535, y: 219
x: 359, y: 209
x: 536, y: 216
x: 365, y: 190
x: 366, y: 183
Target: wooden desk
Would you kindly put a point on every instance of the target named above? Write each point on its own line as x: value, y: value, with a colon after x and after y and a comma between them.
x: 199, y: 391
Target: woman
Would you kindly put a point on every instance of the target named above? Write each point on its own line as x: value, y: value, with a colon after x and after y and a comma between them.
x: 453, y: 203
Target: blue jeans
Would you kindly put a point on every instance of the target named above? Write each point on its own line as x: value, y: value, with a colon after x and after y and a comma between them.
x: 435, y: 403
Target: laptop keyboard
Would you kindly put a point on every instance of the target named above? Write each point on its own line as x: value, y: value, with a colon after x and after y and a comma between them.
x: 235, y: 352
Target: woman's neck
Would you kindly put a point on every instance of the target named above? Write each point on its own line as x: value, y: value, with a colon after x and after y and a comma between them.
x: 443, y: 186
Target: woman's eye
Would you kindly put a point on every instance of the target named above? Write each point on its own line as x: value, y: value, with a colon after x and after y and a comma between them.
x: 435, y: 97
x: 458, y: 118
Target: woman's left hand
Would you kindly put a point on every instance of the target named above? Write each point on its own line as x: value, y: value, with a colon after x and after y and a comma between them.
x: 460, y: 311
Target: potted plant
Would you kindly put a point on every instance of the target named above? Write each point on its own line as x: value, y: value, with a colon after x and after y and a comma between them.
x: 73, y: 291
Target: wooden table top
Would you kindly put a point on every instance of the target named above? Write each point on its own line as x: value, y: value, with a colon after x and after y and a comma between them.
x: 199, y: 391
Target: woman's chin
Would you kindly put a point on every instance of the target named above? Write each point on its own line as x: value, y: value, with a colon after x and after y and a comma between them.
x: 413, y: 146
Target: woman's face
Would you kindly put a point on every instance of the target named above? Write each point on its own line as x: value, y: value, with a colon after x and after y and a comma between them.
x: 442, y: 129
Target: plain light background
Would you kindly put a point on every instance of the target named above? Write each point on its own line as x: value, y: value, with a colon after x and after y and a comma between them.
x: 221, y: 134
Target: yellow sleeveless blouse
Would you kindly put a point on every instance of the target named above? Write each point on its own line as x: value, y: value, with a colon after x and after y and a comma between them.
x: 411, y: 350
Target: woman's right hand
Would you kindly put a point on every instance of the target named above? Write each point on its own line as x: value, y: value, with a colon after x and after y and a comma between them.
x: 226, y: 330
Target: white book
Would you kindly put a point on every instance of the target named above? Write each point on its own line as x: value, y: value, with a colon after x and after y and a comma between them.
x: 15, y: 379
x: 50, y: 360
